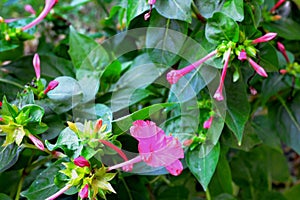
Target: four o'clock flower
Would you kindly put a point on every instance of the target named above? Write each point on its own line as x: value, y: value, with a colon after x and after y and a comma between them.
x: 48, y: 6
x: 84, y: 192
x: 148, y: 14
x: 81, y: 162
x: 29, y: 9
x: 38, y: 143
x: 282, y: 50
x: 174, y: 75
x: 265, y: 38
x: 36, y: 65
x: 207, y: 123
x: 259, y: 70
x: 277, y: 5
x: 53, y: 84
x: 219, y: 92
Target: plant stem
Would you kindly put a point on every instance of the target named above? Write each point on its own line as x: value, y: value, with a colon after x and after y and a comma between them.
x: 114, y: 147
x: 129, y: 162
x: 208, y: 197
x: 11, y: 82
x: 60, y: 192
x: 20, y: 185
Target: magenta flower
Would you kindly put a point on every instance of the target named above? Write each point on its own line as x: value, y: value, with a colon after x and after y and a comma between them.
x: 258, y: 68
x: 253, y: 91
x: 174, y: 75
x: 265, y: 38
x: 282, y: 50
x: 277, y: 5
x: 243, y: 55
x: 0, y: 103
x: 36, y: 65
x: 81, y: 162
x: 148, y: 14
x: 38, y: 143
x: 29, y: 9
x: 283, y: 71
x: 155, y: 148
x: 207, y: 123
x: 219, y: 92
x: 51, y: 86
x: 48, y: 6
x: 84, y: 192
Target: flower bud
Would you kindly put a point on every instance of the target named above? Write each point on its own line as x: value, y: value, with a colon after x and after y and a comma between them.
x: 53, y: 84
x: 38, y: 143
x: 84, y: 192
x: 81, y: 162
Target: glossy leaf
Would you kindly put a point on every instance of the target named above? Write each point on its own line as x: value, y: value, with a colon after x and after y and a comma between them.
x: 203, y: 168
x: 221, y: 27
x: 9, y: 156
x: 208, y: 7
x: 234, y: 9
x: 175, y: 9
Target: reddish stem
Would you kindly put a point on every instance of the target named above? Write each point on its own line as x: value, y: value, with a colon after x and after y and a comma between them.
x: 114, y: 147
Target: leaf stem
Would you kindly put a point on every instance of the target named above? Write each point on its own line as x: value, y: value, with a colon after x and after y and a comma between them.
x: 19, y: 189
x: 11, y: 83
x: 114, y: 147
x: 129, y: 162
x: 60, y: 192
x: 208, y: 197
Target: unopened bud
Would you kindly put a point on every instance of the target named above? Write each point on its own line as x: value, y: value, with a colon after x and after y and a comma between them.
x: 81, y: 162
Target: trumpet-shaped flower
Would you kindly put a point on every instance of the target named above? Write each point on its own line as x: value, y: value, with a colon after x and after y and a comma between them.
x: 36, y: 65
x: 265, y: 38
x: 282, y: 50
x: 259, y: 70
x: 48, y: 6
x: 207, y: 123
x: 174, y: 75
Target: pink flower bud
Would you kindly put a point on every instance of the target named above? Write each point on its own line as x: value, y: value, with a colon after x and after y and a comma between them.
x: 48, y: 6
x: 281, y: 48
x: 151, y: 2
x: 258, y: 68
x: 207, y: 123
x: 51, y: 86
x: 84, y: 192
x: 98, y: 125
x: 81, y: 162
x: 29, y: 9
x: 283, y: 71
x: 36, y: 65
x: 147, y: 16
x: 57, y: 154
x: 243, y: 55
x: 187, y: 143
x: 265, y: 38
x: 38, y: 143
x: 253, y: 91
x: 0, y: 103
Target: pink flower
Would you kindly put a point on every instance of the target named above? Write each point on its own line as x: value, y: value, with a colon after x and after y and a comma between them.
x: 151, y: 2
x: 81, y: 162
x: 277, y: 5
x: 148, y: 14
x: 258, y: 68
x: 155, y: 148
x: 0, y: 103
x: 219, y: 92
x: 48, y: 6
x: 243, y: 55
x: 29, y: 9
x: 84, y: 192
x: 281, y: 48
x: 174, y: 75
x: 36, y: 65
x: 51, y: 86
x: 265, y: 38
x: 283, y: 71
x: 253, y: 91
x: 38, y: 143
x: 207, y: 123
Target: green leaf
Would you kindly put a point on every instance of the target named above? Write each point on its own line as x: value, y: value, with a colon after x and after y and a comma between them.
x: 292, y: 193
x: 66, y: 95
x: 175, y: 9
x: 68, y: 142
x: 221, y: 27
x: 203, y: 168
x: 134, y: 9
x: 234, y: 9
x: 165, y: 39
x: 268, y: 57
x: 237, y: 106
x: 4, y: 197
x: 35, y: 112
x: 43, y: 186
x: 121, y: 125
x: 9, y: 156
x: 208, y: 7
x: 285, y: 27
x: 7, y: 109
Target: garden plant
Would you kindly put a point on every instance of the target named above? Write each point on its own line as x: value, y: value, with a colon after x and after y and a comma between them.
x: 150, y: 99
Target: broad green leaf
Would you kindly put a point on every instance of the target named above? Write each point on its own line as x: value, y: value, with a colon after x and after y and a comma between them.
x: 221, y: 181
x: 68, y: 142
x: 134, y: 9
x: 9, y: 181
x: 221, y: 27
x: 9, y: 155
x: 234, y: 9
x: 43, y: 186
x: 203, y: 168
x: 164, y: 39
x: 268, y: 57
x: 66, y: 95
x: 292, y: 193
x: 8, y: 109
x: 4, y: 197
x: 175, y: 9
x: 123, y: 124
x: 237, y: 106
x: 35, y: 112
x: 208, y: 7
x: 286, y: 28
x: 174, y: 193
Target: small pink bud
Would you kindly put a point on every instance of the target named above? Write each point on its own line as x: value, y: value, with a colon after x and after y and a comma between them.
x: 207, y: 123
x: 51, y: 86
x: 57, y: 154
x: 147, y: 16
x: 187, y: 143
x: 265, y: 38
x: 243, y: 55
x: 98, y: 125
x: 36, y: 65
x: 29, y: 9
x: 253, y: 91
x: 81, y: 162
x: 38, y: 143
x: 0, y: 103
x: 283, y: 71
x: 84, y: 192
x: 151, y: 2
x: 281, y: 48
x: 258, y: 68
x: 277, y: 5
